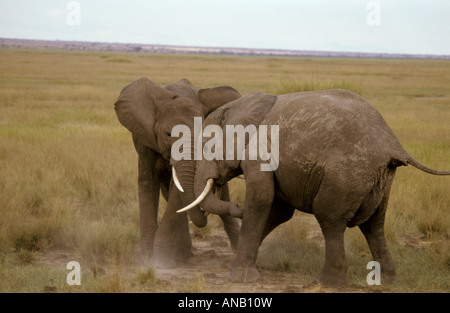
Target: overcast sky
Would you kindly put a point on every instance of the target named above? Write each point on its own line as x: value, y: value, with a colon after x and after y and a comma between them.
x: 391, y: 26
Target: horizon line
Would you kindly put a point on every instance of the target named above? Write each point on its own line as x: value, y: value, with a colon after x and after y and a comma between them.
x: 186, y: 49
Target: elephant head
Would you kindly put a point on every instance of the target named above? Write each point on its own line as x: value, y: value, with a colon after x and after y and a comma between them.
x: 150, y: 112
x: 245, y: 111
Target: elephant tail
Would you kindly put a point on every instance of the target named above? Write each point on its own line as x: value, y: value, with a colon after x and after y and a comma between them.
x: 425, y: 169
x: 402, y: 157
x: 408, y: 160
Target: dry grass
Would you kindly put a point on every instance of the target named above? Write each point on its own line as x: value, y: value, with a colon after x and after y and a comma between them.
x: 291, y: 85
x: 68, y: 168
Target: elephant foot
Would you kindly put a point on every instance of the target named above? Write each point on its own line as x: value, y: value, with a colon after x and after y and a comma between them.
x: 246, y: 274
x: 164, y: 261
x: 183, y: 255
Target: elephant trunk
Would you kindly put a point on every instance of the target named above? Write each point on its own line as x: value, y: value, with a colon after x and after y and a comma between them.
x: 211, y: 203
x: 185, y: 171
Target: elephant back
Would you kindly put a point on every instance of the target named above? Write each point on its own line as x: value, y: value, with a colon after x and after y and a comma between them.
x: 333, y: 126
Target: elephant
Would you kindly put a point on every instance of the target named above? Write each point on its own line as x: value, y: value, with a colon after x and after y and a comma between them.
x: 149, y: 112
x: 337, y: 160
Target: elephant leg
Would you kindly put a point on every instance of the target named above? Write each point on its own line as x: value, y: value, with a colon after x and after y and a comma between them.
x: 373, y: 230
x: 172, y: 241
x: 334, y: 207
x: 331, y: 210
x: 258, y: 201
x: 334, y: 271
x: 148, y: 186
x: 280, y: 212
x: 230, y: 224
x: 374, y: 233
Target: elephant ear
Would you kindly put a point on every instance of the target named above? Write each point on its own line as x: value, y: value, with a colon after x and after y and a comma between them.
x: 213, y: 98
x: 183, y: 87
x: 248, y: 110
x: 136, y: 109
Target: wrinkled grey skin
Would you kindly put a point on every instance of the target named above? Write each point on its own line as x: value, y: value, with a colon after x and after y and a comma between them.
x: 149, y: 112
x: 337, y: 160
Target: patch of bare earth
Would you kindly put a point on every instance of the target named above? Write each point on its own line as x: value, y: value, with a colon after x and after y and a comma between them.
x: 210, y: 265
x: 207, y: 271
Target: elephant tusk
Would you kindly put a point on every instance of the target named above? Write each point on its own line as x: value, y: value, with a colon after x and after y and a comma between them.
x: 202, y: 196
x: 175, y: 180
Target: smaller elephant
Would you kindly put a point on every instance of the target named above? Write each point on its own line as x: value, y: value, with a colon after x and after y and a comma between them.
x: 149, y: 112
x: 337, y: 160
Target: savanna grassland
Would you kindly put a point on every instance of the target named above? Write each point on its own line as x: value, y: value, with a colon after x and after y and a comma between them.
x: 68, y: 173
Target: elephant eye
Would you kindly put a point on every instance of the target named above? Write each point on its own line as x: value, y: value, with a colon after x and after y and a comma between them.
x: 168, y: 134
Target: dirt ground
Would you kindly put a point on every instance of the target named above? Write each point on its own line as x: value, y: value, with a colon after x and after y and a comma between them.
x: 210, y: 262
x: 207, y: 271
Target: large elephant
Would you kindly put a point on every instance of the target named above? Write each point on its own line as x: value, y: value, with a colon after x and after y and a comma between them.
x: 150, y: 112
x: 337, y: 160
